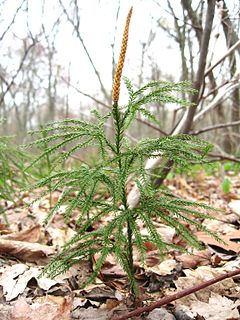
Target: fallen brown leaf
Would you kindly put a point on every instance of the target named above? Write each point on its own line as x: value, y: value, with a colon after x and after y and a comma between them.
x: 112, y: 303
x: 27, y: 251
x: 31, y: 234
x: 216, y: 308
x: 14, y: 280
x: 99, y: 293
x: 47, y: 308
x: 201, y: 274
x: 229, y: 246
x: 60, y: 236
x: 164, y: 268
x: 198, y: 258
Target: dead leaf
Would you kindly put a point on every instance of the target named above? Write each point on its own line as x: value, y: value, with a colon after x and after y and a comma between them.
x: 229, y: 196
x: 150, y: 246
x: 164, y: 268
x: 201, y: 274
x: 11, y: 289
x: 198, y: 258
x: 229, y: 246
x: 15, y: 278
x: 60, y: 236
x: 160, y: 313
x: 27, y: 251
x: 99, y: 293
x: 47, y: 308
x: 14, y: 281
x: 152, y: 258
x: 218, y: 226
x: 32, y: 234
x: 4, y: 228
x: 167, y: 233
x: 217, y: 307
x: 111, y: 268
x: 112, y: 303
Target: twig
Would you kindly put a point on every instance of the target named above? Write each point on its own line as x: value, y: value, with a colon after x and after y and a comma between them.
x: 11, y: 83
x: 177, y: 296
x: 220, y: 97
x: 234, y: 47
x: 214, y: 90
x: 109, y: 107
x: 12, y: 22
x: 217, y: 126
x: 224, y: 157
x: 76, y: 29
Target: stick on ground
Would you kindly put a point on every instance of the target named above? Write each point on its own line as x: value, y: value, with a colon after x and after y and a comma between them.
x: 176, y: 296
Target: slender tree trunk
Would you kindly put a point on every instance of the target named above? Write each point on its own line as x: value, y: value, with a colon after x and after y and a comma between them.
x: 231, y: 38
x: 185, y: 124
x: 201, y: 66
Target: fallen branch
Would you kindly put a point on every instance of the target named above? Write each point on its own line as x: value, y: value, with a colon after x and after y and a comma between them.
x: 176, y: 296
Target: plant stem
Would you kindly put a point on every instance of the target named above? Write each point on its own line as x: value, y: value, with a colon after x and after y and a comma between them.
x: 130, y: 255
x: 118, y: 138
x: 117, y: 123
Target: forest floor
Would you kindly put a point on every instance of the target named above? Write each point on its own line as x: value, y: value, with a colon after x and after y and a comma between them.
x: 26, y: 246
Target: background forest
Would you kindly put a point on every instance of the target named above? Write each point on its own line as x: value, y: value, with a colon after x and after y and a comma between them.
x: 58, y: 58
x: 122, y: 186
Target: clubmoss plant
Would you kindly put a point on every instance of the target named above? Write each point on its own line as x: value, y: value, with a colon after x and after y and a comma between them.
x: 48, y: 164
x: 12, y: 176
x: 119, y: 160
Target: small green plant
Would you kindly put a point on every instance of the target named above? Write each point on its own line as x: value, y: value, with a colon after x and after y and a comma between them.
x: 232, y: 167
x: 48, y: 164
x: 12, y: 176
x: 226, y: 185
x: 119, y: 160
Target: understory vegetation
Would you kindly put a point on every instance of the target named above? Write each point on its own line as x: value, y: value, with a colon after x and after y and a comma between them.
x: 119, y: 162
x: 98, y: 190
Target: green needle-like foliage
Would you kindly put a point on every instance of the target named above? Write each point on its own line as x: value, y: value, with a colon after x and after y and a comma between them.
x: 12, y: 176
x: 119, y: 160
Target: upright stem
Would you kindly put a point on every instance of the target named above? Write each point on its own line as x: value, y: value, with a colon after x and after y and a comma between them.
x: 118, y: 138
x: 130, y: 252
x: 118, y: 135
x: 118, y: 122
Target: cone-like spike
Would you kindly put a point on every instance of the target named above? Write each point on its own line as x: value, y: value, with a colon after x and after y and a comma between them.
x: 118, y: 72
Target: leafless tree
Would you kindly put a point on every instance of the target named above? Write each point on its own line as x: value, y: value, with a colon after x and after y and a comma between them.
x: 218, y: 79
x: 47, y: 85
x: 198, y: 108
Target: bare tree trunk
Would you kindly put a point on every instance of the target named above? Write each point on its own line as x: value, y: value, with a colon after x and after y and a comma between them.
x: 196, y: 23
x: 232, y: 38
x: 185, y: 124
